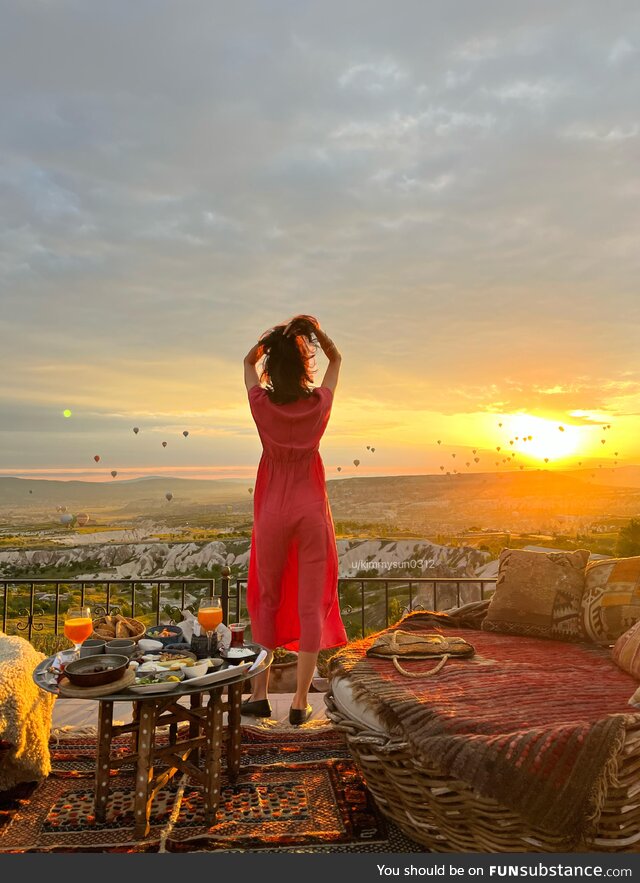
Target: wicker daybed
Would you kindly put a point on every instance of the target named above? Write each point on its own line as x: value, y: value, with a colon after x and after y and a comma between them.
x: 413, y: 783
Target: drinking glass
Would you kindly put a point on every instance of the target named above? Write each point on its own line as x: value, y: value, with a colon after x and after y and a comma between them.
x: 78, y: 626
x: 210, y: 617
x: 237, y: 634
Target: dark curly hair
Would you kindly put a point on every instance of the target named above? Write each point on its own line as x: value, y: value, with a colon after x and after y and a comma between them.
x: 287, y: 368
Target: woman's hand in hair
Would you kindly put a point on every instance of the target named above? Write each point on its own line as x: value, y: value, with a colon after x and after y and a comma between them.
x: 254, y: 354
x: 305, y: 326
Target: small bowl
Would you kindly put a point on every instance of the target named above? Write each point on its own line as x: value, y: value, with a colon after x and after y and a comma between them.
x: 179, y: 650
x: 195, y: 671
x: 82, y: 672
x: 121, y: 647
x: 175, y: 636
x: 149, y: 646
x: 249, y: 656
x: 92, y: 647
x: 180, y: 647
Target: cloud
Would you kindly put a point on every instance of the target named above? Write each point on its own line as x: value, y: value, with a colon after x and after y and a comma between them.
x: 452, y: 190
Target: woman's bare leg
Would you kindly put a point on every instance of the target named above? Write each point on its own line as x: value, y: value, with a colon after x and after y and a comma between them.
x: 260, y: 686
x: 306, y: 667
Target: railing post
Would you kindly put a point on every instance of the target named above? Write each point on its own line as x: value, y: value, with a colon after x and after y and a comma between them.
x: 224, y: 593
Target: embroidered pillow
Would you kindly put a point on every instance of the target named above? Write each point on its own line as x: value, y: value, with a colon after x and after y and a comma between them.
x: 626, y: 651
x: 611, y: 600
x: 538, y: 594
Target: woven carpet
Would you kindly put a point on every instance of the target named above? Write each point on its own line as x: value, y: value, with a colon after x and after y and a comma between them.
x: 297, y: 792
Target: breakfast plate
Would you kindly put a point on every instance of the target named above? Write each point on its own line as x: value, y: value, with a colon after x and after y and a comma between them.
x: 224, y: 674
x: 158, y: 687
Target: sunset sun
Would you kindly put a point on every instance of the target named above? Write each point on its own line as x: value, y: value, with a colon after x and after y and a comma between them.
x: 541, y: 438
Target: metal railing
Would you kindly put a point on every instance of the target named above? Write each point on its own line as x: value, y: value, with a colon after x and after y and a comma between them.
x: 374, y: 610
x: 39, y: 605
x: 367, y: 603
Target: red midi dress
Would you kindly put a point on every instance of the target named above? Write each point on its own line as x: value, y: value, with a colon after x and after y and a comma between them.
x: 292, y: 587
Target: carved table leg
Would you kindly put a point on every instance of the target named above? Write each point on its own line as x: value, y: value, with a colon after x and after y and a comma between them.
x: 135, y: 719
x: 233, y: 730
x: 144, y: 772
x: 194, y: 727
x: 213, y: 752
x: 105, y: 728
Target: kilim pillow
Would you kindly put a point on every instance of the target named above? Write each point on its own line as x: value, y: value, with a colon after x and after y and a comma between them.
x: 538, y: 594
x: 626, y: 651
x: 611, y: 600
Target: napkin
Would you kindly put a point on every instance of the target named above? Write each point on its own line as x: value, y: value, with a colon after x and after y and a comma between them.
x: 190, y: 627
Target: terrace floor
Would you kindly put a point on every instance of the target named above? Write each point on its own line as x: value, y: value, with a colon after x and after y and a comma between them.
x: 80, y: 713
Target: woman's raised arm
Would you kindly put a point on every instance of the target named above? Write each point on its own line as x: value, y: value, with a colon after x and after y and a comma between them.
x: 330, y: 379
x: 251, y: 376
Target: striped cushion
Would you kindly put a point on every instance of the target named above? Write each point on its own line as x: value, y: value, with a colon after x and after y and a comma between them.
x: 626, y: 652
x: 611, y: 599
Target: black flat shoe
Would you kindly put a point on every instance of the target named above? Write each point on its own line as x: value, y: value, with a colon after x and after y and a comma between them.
x: 258, y: 708
x: 299, y: 716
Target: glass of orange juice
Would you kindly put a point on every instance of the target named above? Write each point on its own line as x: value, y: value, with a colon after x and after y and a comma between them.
x: 78, y: 626
x: 210, y: 617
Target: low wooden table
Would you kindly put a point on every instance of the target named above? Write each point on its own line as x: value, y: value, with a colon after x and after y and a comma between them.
x: 203, y: 742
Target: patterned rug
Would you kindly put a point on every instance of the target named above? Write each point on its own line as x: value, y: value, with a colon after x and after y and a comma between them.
x: 297, y: 792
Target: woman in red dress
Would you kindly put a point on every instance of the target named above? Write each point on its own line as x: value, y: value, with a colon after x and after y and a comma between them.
x: 292, y: 588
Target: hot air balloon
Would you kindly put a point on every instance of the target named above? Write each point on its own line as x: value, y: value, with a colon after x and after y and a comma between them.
x: 468, y: 464
x: 474, y: 451
x: 136, y: 429
x: 30, y: 492
x: 373, y: 450
x: 561, y: 428
x: 500, y: 425
x: 164, y: 444
x: 66, y: 519
x: 498, y: 448
x: 250, y: 490
x: 522, y: 467
x: 339, y: 468
x: 439, y: 441
x: 97, y: 458
x: 454, y: 456
x: 356, y: 462
x: 185, y: 432
x: 546, y: 459
x: 169, y: 496
x: 476, y: 459
x: 511, y: 441
x: 442, y: 468
x: 82, y: 518
x: 615, y: 453
x: 580, y: 463
x: 603, y: 441
x: 368, y: 447
x: 530, y: 437
x: 113, y: 473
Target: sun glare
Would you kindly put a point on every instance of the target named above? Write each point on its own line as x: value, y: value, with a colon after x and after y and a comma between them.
x: 543, y: 438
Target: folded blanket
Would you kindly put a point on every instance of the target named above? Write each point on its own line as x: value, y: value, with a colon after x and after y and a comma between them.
x: 25, y: 715
x: 537, y: 725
